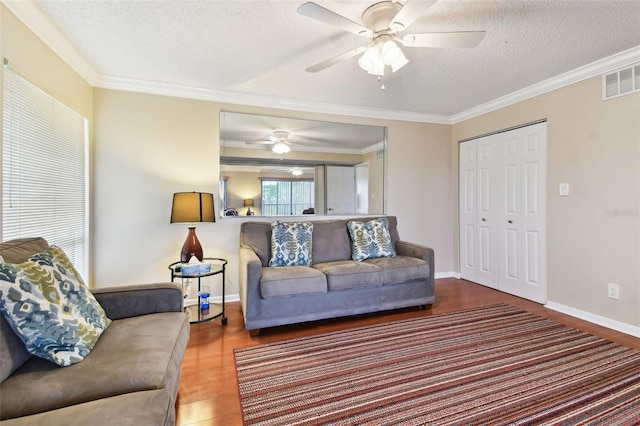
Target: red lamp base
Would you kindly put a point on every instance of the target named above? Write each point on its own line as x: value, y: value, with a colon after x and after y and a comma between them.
x: 191, y: 247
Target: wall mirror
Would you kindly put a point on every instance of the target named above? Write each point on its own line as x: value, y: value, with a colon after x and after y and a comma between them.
x: 279, y: 166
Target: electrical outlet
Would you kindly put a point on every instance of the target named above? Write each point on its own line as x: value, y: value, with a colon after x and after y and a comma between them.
x: 613, y: 291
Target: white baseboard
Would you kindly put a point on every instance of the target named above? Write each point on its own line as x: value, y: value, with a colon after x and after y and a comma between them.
x: 447, y: 275
x: 596, y: 319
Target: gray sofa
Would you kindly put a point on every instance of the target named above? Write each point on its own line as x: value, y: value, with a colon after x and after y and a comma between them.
x: 131, y: 376
x: 334, y: 285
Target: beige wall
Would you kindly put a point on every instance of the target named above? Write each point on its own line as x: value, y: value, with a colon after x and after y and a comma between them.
x: 148, y: 147
x: 593, y: 235
x: 33, y: 60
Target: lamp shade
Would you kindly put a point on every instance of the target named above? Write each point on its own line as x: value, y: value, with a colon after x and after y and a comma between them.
x: 248, y: 202
x: 192, y: 207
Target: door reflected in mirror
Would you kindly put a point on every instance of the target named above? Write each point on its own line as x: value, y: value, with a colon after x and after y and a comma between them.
x: 277, y: 166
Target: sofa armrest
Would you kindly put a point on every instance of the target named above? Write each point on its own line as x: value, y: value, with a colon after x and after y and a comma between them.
x: 142, y: 299
x: 250, y: 275
x: 404, y: 248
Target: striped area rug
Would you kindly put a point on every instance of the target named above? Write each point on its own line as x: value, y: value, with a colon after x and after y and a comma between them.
x: 495, y: 365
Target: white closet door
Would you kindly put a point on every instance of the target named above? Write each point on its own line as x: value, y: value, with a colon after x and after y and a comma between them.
x: 468, y: 211
x: 502, y: 204
x: 487, y: 176
x: 522, y: 250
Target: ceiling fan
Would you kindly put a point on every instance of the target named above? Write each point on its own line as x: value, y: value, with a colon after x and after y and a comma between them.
x: 279, y: 139
x: 382, y: 23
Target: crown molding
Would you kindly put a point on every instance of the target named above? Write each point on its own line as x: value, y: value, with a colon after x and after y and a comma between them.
x: 34, y: 19
x: 602, y: 66
x: 241, y: 98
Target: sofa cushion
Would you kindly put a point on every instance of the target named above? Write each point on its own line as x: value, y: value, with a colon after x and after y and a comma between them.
x: 148, y: 408
x: 13, y: 353
x: 344, y: 274
x: 133, y: 354
x: 49, y: 307
x: 371, y: 239
x: 401, y: 269
x: 257, y: 237
x: 21, y: 249
x: 291, y: 243
x: 291, y: 280
x: 331, y: 241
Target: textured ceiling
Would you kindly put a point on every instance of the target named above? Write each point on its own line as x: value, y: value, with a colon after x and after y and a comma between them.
x: 263, y: 47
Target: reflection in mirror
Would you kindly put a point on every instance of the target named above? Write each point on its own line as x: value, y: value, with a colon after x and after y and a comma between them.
x: 275, y: 166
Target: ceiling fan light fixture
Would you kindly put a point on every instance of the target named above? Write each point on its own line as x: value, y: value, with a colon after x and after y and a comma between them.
x: 391, y: 53
x: 371, y: 60
x: 280, y: 148
x: 381, y: 54
x: 399, y: 63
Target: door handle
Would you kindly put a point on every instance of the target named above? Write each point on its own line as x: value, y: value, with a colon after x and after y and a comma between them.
x: 484, y: 219
x: 510, y: 221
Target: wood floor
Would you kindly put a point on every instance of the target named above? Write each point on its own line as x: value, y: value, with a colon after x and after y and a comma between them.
x: 208, y: 391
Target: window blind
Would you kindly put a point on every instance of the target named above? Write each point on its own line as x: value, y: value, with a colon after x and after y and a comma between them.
x: 282, y: 197
x: 44, y: 170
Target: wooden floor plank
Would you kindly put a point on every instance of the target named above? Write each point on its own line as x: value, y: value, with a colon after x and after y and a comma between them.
x: 208, y: 392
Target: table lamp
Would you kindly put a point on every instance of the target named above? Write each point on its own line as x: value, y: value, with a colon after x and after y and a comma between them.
x: 249, y: 203
x: 191, y: 207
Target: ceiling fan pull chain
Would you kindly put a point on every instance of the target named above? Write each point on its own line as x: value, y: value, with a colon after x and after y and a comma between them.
x: 382, y: 87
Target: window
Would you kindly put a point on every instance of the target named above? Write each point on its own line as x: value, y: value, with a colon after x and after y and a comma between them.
x: 283, y: 197
x: 44, y: 170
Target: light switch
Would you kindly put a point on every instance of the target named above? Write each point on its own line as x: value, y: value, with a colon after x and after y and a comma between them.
x: 563, y: 189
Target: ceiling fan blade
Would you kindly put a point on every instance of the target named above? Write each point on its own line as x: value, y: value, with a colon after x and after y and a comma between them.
x: 463, y: 39
x: 259, y: 142
x: 329, y: 62
x: 321, y: 14
x: 412, y: 10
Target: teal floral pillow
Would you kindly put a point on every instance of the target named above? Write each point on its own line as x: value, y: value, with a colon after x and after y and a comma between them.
x: 370, y: 239
x: 291, y: 243
x: 50, y: 308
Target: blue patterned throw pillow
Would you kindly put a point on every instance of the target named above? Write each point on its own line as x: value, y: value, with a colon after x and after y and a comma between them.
x: 291, y: 243
x: 50, y: 308
x: 370, y: 239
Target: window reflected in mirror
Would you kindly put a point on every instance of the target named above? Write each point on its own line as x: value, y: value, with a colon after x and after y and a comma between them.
x: 276, y: 166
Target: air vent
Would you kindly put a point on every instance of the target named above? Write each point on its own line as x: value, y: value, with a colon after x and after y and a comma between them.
x: 621, y: 82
